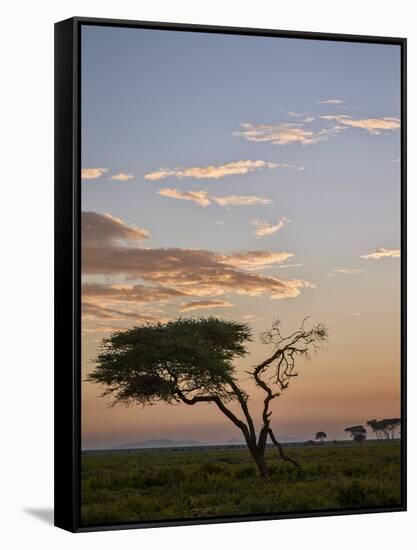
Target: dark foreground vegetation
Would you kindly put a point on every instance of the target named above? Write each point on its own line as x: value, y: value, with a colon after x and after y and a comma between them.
x: 178, y: 484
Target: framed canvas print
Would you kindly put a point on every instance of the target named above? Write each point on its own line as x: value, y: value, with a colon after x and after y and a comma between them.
x: 230, y: 274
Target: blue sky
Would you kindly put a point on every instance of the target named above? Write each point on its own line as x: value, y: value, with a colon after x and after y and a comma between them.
x: 157, y: 98
x: 322, y: 117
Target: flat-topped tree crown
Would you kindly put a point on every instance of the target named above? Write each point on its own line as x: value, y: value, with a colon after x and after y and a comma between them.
x: 321, y: 436
x: 165, y: 362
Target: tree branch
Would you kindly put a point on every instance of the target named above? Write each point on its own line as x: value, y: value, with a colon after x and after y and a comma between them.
x: 215, y: 399
x: 263, y: 434
x: 281, y: 450
x: 244, y: 406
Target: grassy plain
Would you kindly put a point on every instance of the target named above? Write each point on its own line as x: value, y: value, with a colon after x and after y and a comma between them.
x: 143, y: 485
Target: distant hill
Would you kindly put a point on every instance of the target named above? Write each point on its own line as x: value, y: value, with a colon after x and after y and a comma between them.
x: 154, y: 443
x: 235, y: 441
x: 167, y: 443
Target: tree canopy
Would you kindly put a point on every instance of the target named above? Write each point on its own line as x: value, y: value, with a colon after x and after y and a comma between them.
x: 385, y: 428
x: 170, y: 362
x: 320, y: 436
x: 358, y: 433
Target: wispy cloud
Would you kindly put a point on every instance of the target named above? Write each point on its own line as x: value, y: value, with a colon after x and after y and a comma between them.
x: 93, y: 173
x: 382, y: 253
x: 331, y: 101
x: 345, y: 271
x: 286, y: 133
x: 249, y: 318
x: 373, y: 126
x: 240, y: 200
x: 303, y: 116
x: 198, y: 197
x: 122, y: 176
x: 100, y: 293
x: 204, y: 304
x: 95, y: 311
x: 264, y: 229
x: 284, y: 266
x: 101, y: 229
x: 256, y: 259
x: 282, y: 133
x: 311, y: 129
x: 203, y: 198
x: 214, y: 172
x: 91, y: 325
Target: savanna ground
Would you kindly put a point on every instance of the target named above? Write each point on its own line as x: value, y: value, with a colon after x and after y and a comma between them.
x: 178, y: 484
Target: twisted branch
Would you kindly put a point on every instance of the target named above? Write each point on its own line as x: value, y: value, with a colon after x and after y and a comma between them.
x: 281, y: 450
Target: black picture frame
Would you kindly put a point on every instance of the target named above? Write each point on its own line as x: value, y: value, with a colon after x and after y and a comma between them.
x: 68, y: 273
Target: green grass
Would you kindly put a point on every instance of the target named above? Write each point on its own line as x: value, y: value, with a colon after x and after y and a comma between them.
x: 169, y: 484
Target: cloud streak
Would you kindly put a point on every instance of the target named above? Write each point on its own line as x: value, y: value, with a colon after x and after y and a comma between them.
x: 256, y: 259
x: 284, y: 266
x: 98, y: 229
x: 97, y: 312
x: 122, y: 176
x: 239, y: 167
x: 240, y: 200
x: 311, y: 130
x: 331, y: 101
x: 92, y: 173
x: 204, y: 199
x: 265, y: 229
x: 139, y: 294
x: 345, y: 271
x: 283, y: 133
x: 382, y: 253
x: 204, y: 304
x: 198, y: 197
x: 373, y: 126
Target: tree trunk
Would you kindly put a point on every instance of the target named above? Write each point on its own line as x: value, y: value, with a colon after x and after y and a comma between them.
x: 259, y: 458
x: 261, y: 464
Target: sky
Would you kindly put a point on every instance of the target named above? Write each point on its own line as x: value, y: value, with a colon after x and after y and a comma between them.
x: 249, y: 178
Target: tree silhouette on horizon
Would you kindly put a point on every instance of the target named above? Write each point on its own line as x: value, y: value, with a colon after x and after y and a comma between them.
x: 358, y: 433
x: 321, y: 436
x: 385, y: 428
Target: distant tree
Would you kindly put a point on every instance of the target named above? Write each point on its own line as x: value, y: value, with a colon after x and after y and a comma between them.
x: 390, y: 426
x: 190, y: 361
x: 385, y: 428
x: 358, y: 433
x: 376, y: 427
x: 321, y: 436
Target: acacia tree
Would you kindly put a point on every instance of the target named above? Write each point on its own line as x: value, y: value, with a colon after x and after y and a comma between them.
x: 376, y: 427
x: 385, y: 428
x: 190, y: 361
x: 321, y: 436
x: 358, y: 433
x: 390, y: 426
